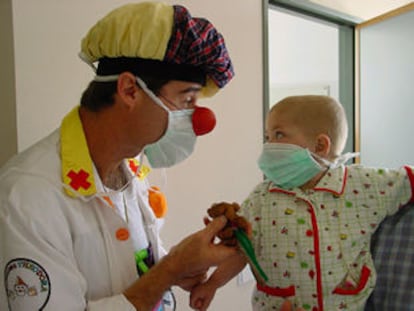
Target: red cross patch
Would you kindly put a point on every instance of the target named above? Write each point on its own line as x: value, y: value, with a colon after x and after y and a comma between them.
x: 133, y: 166
x: 79, y: 179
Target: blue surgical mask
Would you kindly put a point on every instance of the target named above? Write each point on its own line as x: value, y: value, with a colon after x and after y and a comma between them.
x: 178, y: 141
x: 287, y: 165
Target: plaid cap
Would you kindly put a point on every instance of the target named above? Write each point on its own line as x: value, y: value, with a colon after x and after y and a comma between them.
x: 162, y: 40
x: 195, y: 41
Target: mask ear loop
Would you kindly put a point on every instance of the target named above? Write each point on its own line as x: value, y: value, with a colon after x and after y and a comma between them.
x: 203, y: 119
x: 154, y: 192
x: 110, y: 78
x: 158, y: 101
x: 151, y: 94
x: 140, y: 82
x: 341, y: 159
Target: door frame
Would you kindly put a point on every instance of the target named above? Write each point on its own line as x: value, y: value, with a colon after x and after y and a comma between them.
x: 346, y: 31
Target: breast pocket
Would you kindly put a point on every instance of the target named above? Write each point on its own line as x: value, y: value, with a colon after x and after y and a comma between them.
x: 352, y: 285
x: 277, y: 291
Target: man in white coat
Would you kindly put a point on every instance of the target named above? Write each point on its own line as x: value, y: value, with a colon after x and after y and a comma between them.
x: 78, y: 228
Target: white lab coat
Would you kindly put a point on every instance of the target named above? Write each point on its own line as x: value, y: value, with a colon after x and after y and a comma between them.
x: 62, y: 253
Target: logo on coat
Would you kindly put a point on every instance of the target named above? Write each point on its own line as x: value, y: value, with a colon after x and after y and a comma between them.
x: 27, y: 285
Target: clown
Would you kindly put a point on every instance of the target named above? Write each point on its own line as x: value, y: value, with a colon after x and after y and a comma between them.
x: 77, y: 205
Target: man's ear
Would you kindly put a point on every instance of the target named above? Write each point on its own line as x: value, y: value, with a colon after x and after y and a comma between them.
x: 127, y: 88
x: 323, y: 145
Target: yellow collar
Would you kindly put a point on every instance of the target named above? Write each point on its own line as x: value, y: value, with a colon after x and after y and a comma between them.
x: 77, y: 165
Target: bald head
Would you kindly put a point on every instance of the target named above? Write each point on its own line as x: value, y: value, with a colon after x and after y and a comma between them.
x: 315, y: 115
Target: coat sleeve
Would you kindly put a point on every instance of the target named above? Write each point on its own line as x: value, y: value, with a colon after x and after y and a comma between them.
x: 38, y: 265
x: 118, y: 302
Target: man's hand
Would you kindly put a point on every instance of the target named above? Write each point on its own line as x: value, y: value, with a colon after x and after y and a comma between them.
x: 198, y: 252
x: 185, y: 265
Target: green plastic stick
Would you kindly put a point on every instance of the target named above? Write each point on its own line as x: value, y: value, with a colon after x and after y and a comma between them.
x: 248, y: 249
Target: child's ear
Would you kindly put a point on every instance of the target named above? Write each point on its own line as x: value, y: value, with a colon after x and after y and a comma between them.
x: 323, y: 145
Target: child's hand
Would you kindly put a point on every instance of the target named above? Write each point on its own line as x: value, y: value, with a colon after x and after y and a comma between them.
x: 190, y: 282
x: 201, y: 296
x: 234, y: 221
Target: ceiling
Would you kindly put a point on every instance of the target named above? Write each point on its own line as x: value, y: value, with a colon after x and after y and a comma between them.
x: 363, y: 9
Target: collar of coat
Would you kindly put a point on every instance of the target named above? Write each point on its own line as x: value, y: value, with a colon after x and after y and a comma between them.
x: 334, y: 181
x: 77, y: 166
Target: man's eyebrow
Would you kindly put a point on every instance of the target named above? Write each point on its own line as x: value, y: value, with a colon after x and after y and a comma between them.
x: 191, y: 89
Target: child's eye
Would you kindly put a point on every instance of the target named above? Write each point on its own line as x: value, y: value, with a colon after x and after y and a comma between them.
x: 279, y: 135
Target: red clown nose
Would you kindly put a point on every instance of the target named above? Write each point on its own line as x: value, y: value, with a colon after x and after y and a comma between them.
x: 204, y: 120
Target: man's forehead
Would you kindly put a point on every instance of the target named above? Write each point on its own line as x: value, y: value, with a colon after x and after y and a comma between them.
x: 182, y: 86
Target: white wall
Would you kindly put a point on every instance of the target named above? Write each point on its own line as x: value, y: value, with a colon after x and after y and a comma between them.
x: 49, y: 75
x: 50, y: 79
x: 386, y: 89
x: 303, y: 58
x: 364, y: 9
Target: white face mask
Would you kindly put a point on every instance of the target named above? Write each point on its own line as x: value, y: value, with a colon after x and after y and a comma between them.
x: 178, y: 141
x: 177, y: 144
x: 289, y: 166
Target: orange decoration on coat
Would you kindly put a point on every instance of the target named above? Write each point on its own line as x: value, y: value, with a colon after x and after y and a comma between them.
x: 157, y: 201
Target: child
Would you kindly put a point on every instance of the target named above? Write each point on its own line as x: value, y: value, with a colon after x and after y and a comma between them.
x: 313, y: 217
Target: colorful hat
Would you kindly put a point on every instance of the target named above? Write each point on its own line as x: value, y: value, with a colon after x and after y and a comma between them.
x: 162, y: 40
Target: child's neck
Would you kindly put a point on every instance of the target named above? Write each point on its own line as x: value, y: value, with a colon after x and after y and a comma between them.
x: 314, y: 181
